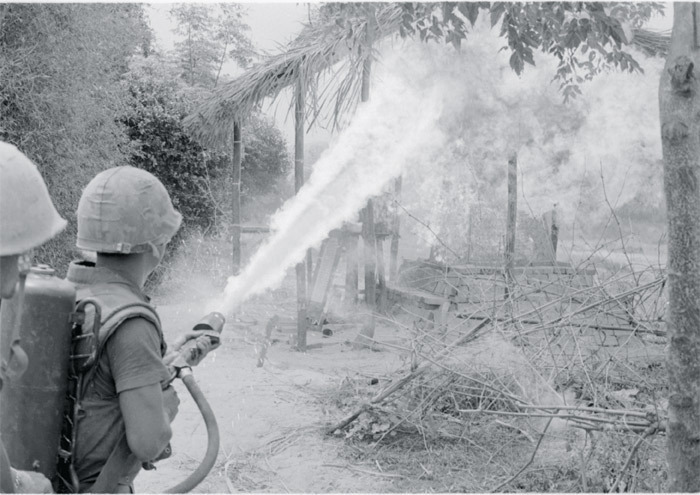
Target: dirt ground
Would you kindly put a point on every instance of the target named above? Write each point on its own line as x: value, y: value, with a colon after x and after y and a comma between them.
x: 270, y: 418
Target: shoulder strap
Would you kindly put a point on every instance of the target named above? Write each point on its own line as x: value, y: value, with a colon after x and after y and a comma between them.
x: 121, y: 456
x: 111, y: 322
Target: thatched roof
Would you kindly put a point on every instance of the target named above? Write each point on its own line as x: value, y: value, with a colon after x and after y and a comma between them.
x: 314, y: 52
x: 652, y: 43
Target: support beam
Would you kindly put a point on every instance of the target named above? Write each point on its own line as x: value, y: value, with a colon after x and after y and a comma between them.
x: 370, y: 251
x: 298, y: 183
x: 352, y: 275
x: 554, y: 232
x: 366, y: 335
x: 511, y: 221
x: 395, y: 234
x: 236, y: 197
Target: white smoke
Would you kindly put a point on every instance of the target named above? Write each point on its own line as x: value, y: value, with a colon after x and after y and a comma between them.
x: 449, y: 121
x: 396, y: 128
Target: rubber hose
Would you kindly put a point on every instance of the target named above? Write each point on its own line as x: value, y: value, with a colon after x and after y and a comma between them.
x: 209, y: 459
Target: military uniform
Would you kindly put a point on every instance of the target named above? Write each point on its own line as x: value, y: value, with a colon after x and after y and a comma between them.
x: 131, y: 350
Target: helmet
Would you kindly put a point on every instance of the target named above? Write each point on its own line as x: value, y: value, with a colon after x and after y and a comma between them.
x: 125, y: 210
x: 28, y: 217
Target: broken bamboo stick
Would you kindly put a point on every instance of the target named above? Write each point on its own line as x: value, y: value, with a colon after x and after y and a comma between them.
x: 408, y: 377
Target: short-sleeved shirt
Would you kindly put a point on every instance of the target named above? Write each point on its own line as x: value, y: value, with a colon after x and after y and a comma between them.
x: 132, y: 358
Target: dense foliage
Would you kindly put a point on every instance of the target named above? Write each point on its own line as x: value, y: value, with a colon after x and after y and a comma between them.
x: 211, y: 34
x: 586, y: 38
x: 153, y: 120
x: 60, y: 66
x: 83, y: 89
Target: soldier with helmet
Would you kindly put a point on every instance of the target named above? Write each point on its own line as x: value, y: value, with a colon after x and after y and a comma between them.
x: 28, y: 218
x: 126, y: 217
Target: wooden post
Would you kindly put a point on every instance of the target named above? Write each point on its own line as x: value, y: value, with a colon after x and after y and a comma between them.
x: 364, y: 339
x: 469, y: 233
x: 395, y: 234
x: 352, y: 276
x: 381, y: 278
x: 511, y: 220
x: 298, y: 183
x: 554, y: 232
x: 368, y: 235
x: 236, y: 197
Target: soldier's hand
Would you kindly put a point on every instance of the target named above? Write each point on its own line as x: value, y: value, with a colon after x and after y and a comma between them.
x: 182, y: 339
x: 31, y: 482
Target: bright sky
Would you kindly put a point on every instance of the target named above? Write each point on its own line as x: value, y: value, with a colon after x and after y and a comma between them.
x: 271, y: 25
x: 274, y: 24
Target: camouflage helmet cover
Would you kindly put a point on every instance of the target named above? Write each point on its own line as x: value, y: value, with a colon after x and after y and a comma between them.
x: 28, y: 217
x: 125, y: 210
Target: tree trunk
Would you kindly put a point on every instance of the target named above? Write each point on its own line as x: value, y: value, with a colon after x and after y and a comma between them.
x: 298, y: 183
x: 679, y: 103
x: 236, y: 197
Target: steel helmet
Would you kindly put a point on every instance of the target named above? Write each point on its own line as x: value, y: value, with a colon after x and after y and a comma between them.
x: 28, y: 217
x: 125, y: 210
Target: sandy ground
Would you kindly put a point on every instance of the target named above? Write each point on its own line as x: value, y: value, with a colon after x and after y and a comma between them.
x: 270, y: 418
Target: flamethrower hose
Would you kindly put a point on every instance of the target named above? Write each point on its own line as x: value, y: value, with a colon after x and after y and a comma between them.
x: 209, y: 459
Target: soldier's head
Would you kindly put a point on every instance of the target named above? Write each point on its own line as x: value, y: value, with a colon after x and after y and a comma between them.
x: 28, y: 217
x: 126, y: 211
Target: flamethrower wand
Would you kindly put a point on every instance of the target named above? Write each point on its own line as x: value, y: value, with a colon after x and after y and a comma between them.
x: 190, y: 349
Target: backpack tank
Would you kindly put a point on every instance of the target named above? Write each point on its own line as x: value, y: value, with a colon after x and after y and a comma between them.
x: 32, y: 406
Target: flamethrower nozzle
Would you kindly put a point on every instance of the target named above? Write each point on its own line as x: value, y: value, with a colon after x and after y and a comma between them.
x: 195, y: 347
x: 213, y: 322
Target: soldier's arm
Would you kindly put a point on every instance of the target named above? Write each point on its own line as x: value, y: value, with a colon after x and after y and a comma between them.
x: 147, y: 424
x: 138, y: 371
x: 7, y: 484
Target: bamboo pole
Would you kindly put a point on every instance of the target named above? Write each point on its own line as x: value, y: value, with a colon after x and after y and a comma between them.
x: 366, y: 334
x: 395, y: 234
x: 399, y: 383
x: 298, y: 183
x: 554, y: 232
x: 236, y: 197
x: 352, y: 275
x: 381, y: 276
x: 370, y: 251
x: 511, y: 220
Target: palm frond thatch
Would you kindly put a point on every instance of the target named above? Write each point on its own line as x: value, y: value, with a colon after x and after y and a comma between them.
x: 652, y: 43
x: 314, y: 52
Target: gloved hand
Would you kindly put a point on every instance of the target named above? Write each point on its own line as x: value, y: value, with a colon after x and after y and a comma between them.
x: 31, y: 482
x: 185, y: 337
x: 191, y: 347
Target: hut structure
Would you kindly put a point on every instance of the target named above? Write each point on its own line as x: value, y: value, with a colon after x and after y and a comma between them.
x: 337, y: 42
x: 326, y: 46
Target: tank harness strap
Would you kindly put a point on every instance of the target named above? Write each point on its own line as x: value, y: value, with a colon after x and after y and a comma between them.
x: 121, y: 458
x: 121, y: 455
x: 109, y: 325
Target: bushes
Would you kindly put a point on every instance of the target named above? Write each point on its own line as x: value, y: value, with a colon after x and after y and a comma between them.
x: 60, y: 65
